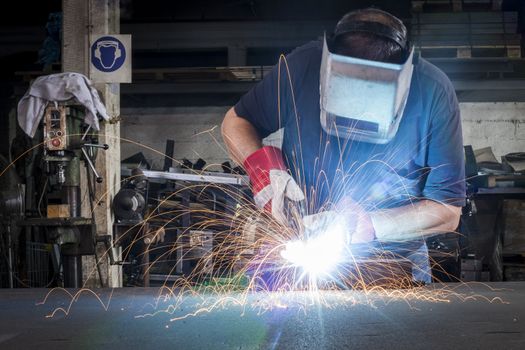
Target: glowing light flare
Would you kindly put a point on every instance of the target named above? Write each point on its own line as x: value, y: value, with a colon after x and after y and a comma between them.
x: 320, y: 253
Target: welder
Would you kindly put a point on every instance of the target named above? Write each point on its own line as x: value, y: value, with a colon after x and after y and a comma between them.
x: 371, y: 131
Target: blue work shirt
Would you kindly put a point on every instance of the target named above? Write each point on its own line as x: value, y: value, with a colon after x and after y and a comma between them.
x: 423, y: 161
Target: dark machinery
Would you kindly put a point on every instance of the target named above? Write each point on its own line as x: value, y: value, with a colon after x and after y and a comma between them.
x: 129, y: 205
x: 492, y: 189
x: 12, y: 195
x: 52, y: 234
x: 162, y: 238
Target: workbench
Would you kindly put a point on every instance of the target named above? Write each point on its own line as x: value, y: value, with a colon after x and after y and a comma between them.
x: 493, y: 318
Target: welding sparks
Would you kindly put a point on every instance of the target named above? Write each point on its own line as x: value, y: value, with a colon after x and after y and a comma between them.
x: 328, y: 266
x: 314, y: 258
x: 320, y: 252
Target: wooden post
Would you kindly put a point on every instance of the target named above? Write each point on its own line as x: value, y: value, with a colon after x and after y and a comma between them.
x: 82, y: 19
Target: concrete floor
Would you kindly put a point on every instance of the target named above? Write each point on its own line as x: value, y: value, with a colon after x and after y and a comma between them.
x: 474, y: 318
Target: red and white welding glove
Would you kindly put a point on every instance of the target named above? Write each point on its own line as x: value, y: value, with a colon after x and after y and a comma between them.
x: 271, y: 182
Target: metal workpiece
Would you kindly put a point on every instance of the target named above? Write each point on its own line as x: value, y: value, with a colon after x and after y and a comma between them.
x: 214, y: 178
x: 452, y: 316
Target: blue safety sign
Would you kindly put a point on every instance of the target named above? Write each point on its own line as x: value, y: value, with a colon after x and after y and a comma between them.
x: 108, y: 54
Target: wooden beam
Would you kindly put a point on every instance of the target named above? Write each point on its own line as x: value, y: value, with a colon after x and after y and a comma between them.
x: 81, y: 20
x: 105, y: 19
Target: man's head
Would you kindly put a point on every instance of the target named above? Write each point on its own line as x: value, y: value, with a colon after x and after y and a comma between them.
x: 357, y: 41
x: 366, y: 71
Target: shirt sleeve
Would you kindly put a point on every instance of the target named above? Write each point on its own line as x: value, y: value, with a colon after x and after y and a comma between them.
x: 267, y: 106
x: 445, y: 158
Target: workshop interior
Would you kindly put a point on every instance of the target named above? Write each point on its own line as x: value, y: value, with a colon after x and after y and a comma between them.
x: 117, y: 179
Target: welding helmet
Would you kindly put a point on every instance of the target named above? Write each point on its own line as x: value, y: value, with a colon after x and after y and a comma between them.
x: 364, y: 99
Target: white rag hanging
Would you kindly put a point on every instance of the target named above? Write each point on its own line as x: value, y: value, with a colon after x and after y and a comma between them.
x: 55, y: 88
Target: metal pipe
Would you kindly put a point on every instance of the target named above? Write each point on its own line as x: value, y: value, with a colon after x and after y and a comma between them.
x: 85, y: 134
x: 92, y: 166
x: 72, y: 271
x: 226, y: 179
x: 96, y: 145
x: 73, y: 194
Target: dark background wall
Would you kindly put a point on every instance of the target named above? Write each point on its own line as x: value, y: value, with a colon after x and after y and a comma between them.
x: 22, y: 32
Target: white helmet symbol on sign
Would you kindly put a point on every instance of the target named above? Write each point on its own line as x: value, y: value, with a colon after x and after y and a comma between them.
x: 117, y: 53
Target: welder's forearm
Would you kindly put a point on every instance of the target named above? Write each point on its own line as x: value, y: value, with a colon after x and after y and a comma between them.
x: 424, y: 218
x: 240, y: 136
